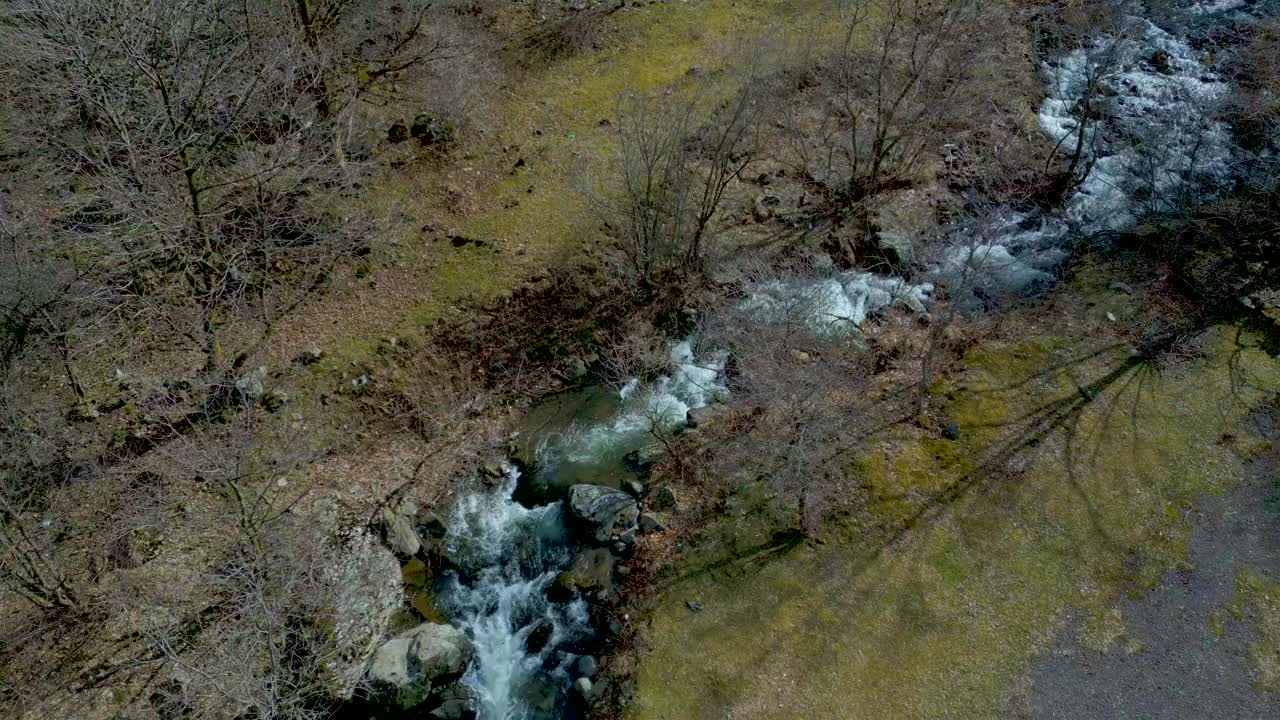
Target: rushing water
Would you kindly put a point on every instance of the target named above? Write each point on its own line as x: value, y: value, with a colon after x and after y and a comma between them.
x: 508, y: 554
x: 1156, y: 144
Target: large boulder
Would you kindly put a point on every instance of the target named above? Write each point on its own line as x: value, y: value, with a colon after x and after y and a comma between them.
x: 366, y: 582
x: 897, y: 250
x: 601, y: 511
x: 430, y: 655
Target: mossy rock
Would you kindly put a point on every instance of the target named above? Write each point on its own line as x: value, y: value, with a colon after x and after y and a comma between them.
x: 591, y: 572
x: 415, y: 574
x: 424, y: 602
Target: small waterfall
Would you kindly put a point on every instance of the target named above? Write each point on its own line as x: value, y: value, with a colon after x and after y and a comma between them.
x: 664, y: 403
x: 507, y: 556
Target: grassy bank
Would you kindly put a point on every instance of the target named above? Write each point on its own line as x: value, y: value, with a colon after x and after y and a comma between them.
x: 1069, y: 485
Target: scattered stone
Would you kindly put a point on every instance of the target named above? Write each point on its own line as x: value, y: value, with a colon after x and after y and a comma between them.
x: 693, y: 605
x: 663, y: 497
x: 601, y: 511
x: 694, y: 70
x: 250, y: 385
x: 492, y: 470
x: 760, y: 210
x: 951, y: 431
x: 703, y: 416
x: 651, y: 522
x: 642, y: 458
x: 430, y: 131
x: 310, y: 356
x: 1122, y: 287
x: 576, y: 369
x: 83, y: 412
x: 634, y: 488
x: 897, y: 250
x: 801, y: 356
x: 139, y: 546
x: 275, y: 399
x: 1160, y: 61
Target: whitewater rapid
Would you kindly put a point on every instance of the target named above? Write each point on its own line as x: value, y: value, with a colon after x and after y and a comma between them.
x: 508, y: 555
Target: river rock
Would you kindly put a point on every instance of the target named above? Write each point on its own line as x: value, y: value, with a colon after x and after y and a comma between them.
x: 430, y: 655
x: 634, y: 488
x: 538, y: 637
x: 601, y: 511
x: 585, y: 690
x: 641, y: 459
x: 366, y: 578
x: 454, y: 703
x: 430, y: 524
x: 591, y: 572
x: 587, y: 666
x: 653, y: 522
x: 399, y: 528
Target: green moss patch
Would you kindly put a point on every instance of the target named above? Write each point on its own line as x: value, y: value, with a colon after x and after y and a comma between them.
x: 1066, y: 489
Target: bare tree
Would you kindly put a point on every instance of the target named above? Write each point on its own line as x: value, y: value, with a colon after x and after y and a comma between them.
x: 871, y: 113
x: 672, y: 179
x: 208, y: 158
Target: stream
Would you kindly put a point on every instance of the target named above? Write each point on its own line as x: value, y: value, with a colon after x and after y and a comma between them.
x: 1155, y: 146
x: 529, y: 648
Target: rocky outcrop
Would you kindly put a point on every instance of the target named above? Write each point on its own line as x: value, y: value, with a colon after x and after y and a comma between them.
x: 366, y: 582
x: 429, y: 656
x: 602, y: 513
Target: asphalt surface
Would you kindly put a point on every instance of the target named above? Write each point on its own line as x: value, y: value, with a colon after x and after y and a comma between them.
x: 1183, y: 671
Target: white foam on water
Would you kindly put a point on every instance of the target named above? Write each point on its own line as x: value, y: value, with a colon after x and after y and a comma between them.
x: 1155, y: 145
x: 1156, y: 137
x: 661, y: 405
x: 509, y: 555
x: 834, y: 306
